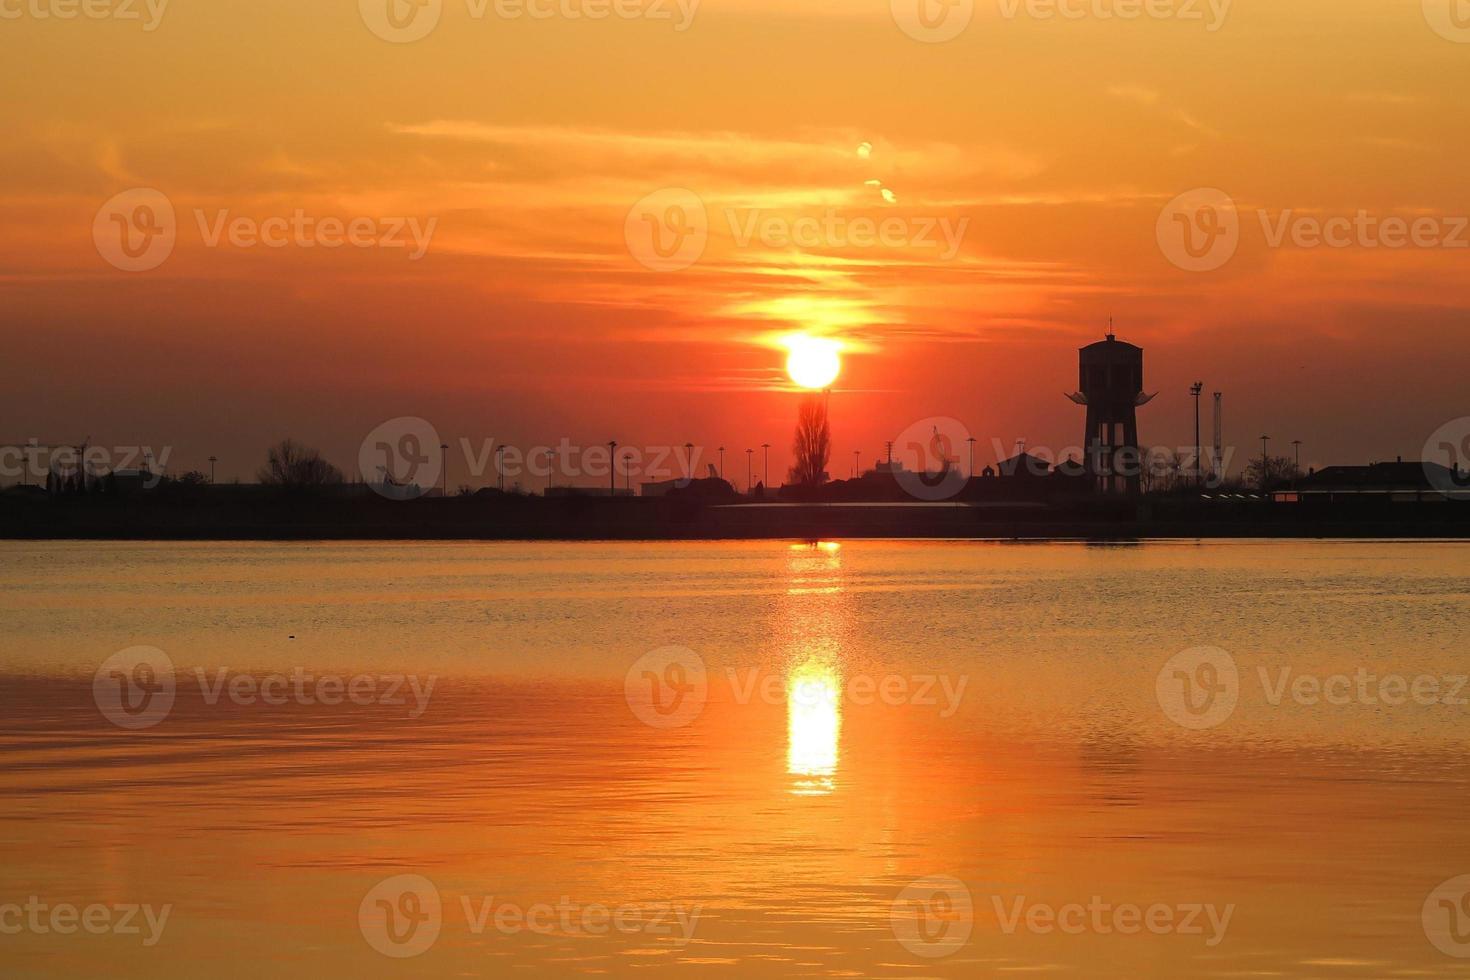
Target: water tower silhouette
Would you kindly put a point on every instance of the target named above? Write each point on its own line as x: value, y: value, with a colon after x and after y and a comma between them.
x: 1111, y: 386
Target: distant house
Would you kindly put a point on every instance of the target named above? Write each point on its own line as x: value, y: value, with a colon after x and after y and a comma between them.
x: 1399, y: 481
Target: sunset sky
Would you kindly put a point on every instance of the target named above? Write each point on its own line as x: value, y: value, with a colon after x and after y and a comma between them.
x: 1054, y: 142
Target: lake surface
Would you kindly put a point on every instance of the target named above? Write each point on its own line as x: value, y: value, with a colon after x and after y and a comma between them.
x: 893, y: 759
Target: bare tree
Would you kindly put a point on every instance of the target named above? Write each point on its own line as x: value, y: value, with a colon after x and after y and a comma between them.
x: 292, y: 466
x: 1271, y: 471
x: 812, y: 445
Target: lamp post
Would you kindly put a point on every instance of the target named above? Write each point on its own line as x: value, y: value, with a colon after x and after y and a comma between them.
x: 689, y: 460
x: 500, y: 468
x: 1297, y: 445
x: 628, y: 473
x: 971, y: 441
x: 722, y: 462
x: 444, y: 461
x: 1265, y: 462
x: 212, y: 461
x: 766, y: 479
x: 856, y: 466
x: 612, y: 468
x: 749, y: 463
x: 1199, y: 473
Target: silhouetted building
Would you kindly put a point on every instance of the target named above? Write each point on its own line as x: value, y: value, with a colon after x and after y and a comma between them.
x: 1111, y: 386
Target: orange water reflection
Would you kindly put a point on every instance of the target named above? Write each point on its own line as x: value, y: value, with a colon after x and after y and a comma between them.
x: 811, y: 620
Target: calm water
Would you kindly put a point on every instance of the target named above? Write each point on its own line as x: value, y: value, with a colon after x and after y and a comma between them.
x: 870, y: 759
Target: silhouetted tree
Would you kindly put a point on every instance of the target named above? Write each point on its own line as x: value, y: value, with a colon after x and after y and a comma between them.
x: 292, y: 466
x: 812, y: 446
x: 1276, y: 471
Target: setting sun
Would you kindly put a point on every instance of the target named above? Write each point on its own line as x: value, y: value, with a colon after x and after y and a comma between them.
x: 813, y: 361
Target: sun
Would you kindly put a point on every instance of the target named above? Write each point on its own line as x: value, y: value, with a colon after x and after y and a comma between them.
x: 813, y: 361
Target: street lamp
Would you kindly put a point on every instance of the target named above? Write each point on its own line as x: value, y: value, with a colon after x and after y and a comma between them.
x: 500, y: 468
x: 749, y: 459
x: 971, y: 441
x: 689, y: 460
x: 628, y: 473
x: 1265, y: 461
x: 212, y: 461
x: 856, y: 465
x: 722, y: 462
x: 766, y: 479
x: 612, y: 468
x: 444, y: 461
x: 1199, y: 473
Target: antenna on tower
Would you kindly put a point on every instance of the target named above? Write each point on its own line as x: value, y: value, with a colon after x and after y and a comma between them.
x: 1110, y: 327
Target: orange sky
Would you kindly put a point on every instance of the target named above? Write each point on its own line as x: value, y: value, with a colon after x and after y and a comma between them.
x: 1054, y: 142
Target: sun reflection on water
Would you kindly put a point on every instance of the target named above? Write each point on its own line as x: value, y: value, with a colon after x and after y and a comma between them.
x: 813, y: 726
x: 813, y: 620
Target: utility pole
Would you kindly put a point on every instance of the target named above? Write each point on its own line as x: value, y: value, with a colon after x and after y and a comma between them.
x: 689, y: 460
x: 212, y: 461
x: 971, y: 441
x: 749, y: 461
x: 1265, y: 462
x: 500, y: 467
x: 1297, y: 445
x: 444, y: 461
x: 612, y: 468
x: 722, y: 462
x: 1199, y: 472
x: 766, y: 479
x: 628, y: 473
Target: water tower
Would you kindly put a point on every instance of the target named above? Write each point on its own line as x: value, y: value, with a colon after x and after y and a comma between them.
x: 1111, y: 386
